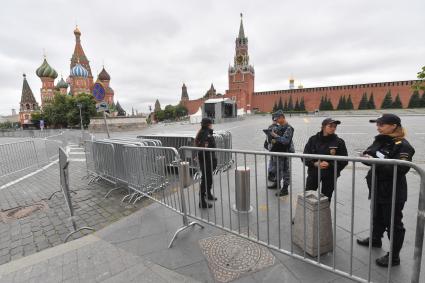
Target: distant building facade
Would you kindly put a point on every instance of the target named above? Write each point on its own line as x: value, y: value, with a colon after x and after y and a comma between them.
x: 241, y: 88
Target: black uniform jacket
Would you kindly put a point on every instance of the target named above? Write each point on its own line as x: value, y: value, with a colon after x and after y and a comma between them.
x: 205, y: 138
x: 325, y: 145
x: 385, y: 147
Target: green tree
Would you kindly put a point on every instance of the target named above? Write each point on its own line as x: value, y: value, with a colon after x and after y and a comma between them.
x: 322, y: 103
x: 371, y: 102
x: 397, y: 102
x: 170, y: 112
x: 415, y: 100
x: 341, y: 103
x: 363, y: 102
x: 280, y: 105
x: 285, y: 106
x: 159, y: 115
x: 36, y: 117
x: 290, y: 104
x: 274, y: 107
x: 297, y: 106
x: 420, y: 85
x: 387, y: 102
x: 181, y: 111
x: 329, y: 105
x: 302, y: 105
x: 349, y: 104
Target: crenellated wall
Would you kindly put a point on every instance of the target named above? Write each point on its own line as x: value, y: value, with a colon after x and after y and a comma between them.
x: 265, y: 100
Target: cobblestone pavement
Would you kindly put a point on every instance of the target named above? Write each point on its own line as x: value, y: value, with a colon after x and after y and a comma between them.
x: 49, y: 227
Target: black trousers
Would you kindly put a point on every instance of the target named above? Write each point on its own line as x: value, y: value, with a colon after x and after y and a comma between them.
x: 327, y: 181
x: 206, y: 180
x: 382, y: 223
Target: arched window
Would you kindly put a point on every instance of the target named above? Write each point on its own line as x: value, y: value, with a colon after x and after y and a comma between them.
x: 27, y: 106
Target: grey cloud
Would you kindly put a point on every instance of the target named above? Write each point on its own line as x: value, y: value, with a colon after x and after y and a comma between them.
x: 151, y: 47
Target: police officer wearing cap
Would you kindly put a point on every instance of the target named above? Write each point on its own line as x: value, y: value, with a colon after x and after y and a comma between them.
x: 207, y: 162
x: 391, y: 143
x: 325, y: 142
x: 271, y: 171
x: 281, y: 141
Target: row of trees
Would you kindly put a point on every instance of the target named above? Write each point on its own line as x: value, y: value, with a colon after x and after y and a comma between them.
x: 289, y: 106
x: 171, y: 112
x: 64, y: 112
x: 416, y: 101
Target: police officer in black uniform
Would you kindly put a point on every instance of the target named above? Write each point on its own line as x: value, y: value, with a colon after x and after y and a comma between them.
x: 271, y: 171
x: 281, y: 141
x: 325, y: 142
x: 389, y: 144
x: 207, y: 162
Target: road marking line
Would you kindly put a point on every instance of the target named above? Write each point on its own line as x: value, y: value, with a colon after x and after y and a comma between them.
x: 77, y: 159
x: 28, y: 175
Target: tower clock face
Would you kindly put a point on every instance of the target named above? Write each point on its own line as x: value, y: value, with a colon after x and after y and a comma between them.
x: 98, y: 91
x: 239, y: 59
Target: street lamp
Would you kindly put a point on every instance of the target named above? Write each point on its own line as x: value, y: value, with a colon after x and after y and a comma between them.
x: 80, y: 105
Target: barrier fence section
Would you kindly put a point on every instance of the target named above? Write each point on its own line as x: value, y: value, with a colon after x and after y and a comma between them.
x: 146, y: 171
x: 29, y: 154
x: 246, y: 207
x: 223, y: 139
x: 66, y: 191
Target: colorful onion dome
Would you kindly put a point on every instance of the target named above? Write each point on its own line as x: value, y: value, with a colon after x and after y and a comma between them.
x: 45, y: 71
x: 103, y: 75
x: 62, y: 84
x: 79, y: 71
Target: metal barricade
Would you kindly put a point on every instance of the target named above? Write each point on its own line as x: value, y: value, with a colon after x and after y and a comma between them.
x: 270, y: 222
x: 64, y: 184
x: 18, y: 156
x: 177, y: 140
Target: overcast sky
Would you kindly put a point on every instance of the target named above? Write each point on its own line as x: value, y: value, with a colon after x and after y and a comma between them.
x: 151, y: 47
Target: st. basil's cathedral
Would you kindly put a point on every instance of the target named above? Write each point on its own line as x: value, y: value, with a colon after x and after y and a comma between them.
x: 80, y: 80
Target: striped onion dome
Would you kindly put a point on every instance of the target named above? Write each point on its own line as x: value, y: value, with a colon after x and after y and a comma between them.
x: 62, y: 84
x: 45, y: 71
x: 79, y: 71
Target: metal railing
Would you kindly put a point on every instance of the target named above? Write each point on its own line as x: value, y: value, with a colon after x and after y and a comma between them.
x: 28, y: 154
x: 270, y: 222
x: 162, y: 174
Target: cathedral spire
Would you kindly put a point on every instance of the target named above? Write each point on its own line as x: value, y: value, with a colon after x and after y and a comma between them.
x: 79, y: 57
x: 27, y: 96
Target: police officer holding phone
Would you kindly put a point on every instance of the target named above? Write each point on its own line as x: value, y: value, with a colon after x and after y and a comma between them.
x: 391, y: 143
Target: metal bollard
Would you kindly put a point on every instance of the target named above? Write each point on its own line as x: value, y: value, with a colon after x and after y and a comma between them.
x: 242, y: 190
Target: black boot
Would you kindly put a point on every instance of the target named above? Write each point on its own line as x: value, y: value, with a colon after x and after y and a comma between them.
x: 204, y: 204
x: 384, y: 261
x: 211, y: 197
x: 376, y: 243
x: 272, y: 186
x: 283, y: 191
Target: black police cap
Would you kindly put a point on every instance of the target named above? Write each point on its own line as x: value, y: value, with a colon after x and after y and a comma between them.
x: 330, y: 121
x: 389, y: 119
x: 206, y: 121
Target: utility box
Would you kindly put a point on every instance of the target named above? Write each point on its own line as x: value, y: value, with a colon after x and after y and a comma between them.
x: 311, y: 204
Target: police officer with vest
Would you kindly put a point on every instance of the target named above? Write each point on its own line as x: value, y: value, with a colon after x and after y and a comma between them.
x: 325, y: 142
x: 280, y: 137
x: 391, y: 143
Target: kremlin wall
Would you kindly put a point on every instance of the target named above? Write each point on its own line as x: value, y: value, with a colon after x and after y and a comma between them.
x: 241, y: 88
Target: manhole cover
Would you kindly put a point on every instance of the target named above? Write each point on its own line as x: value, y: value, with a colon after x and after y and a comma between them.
x: 231, y: 256
x: 22, y: 211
